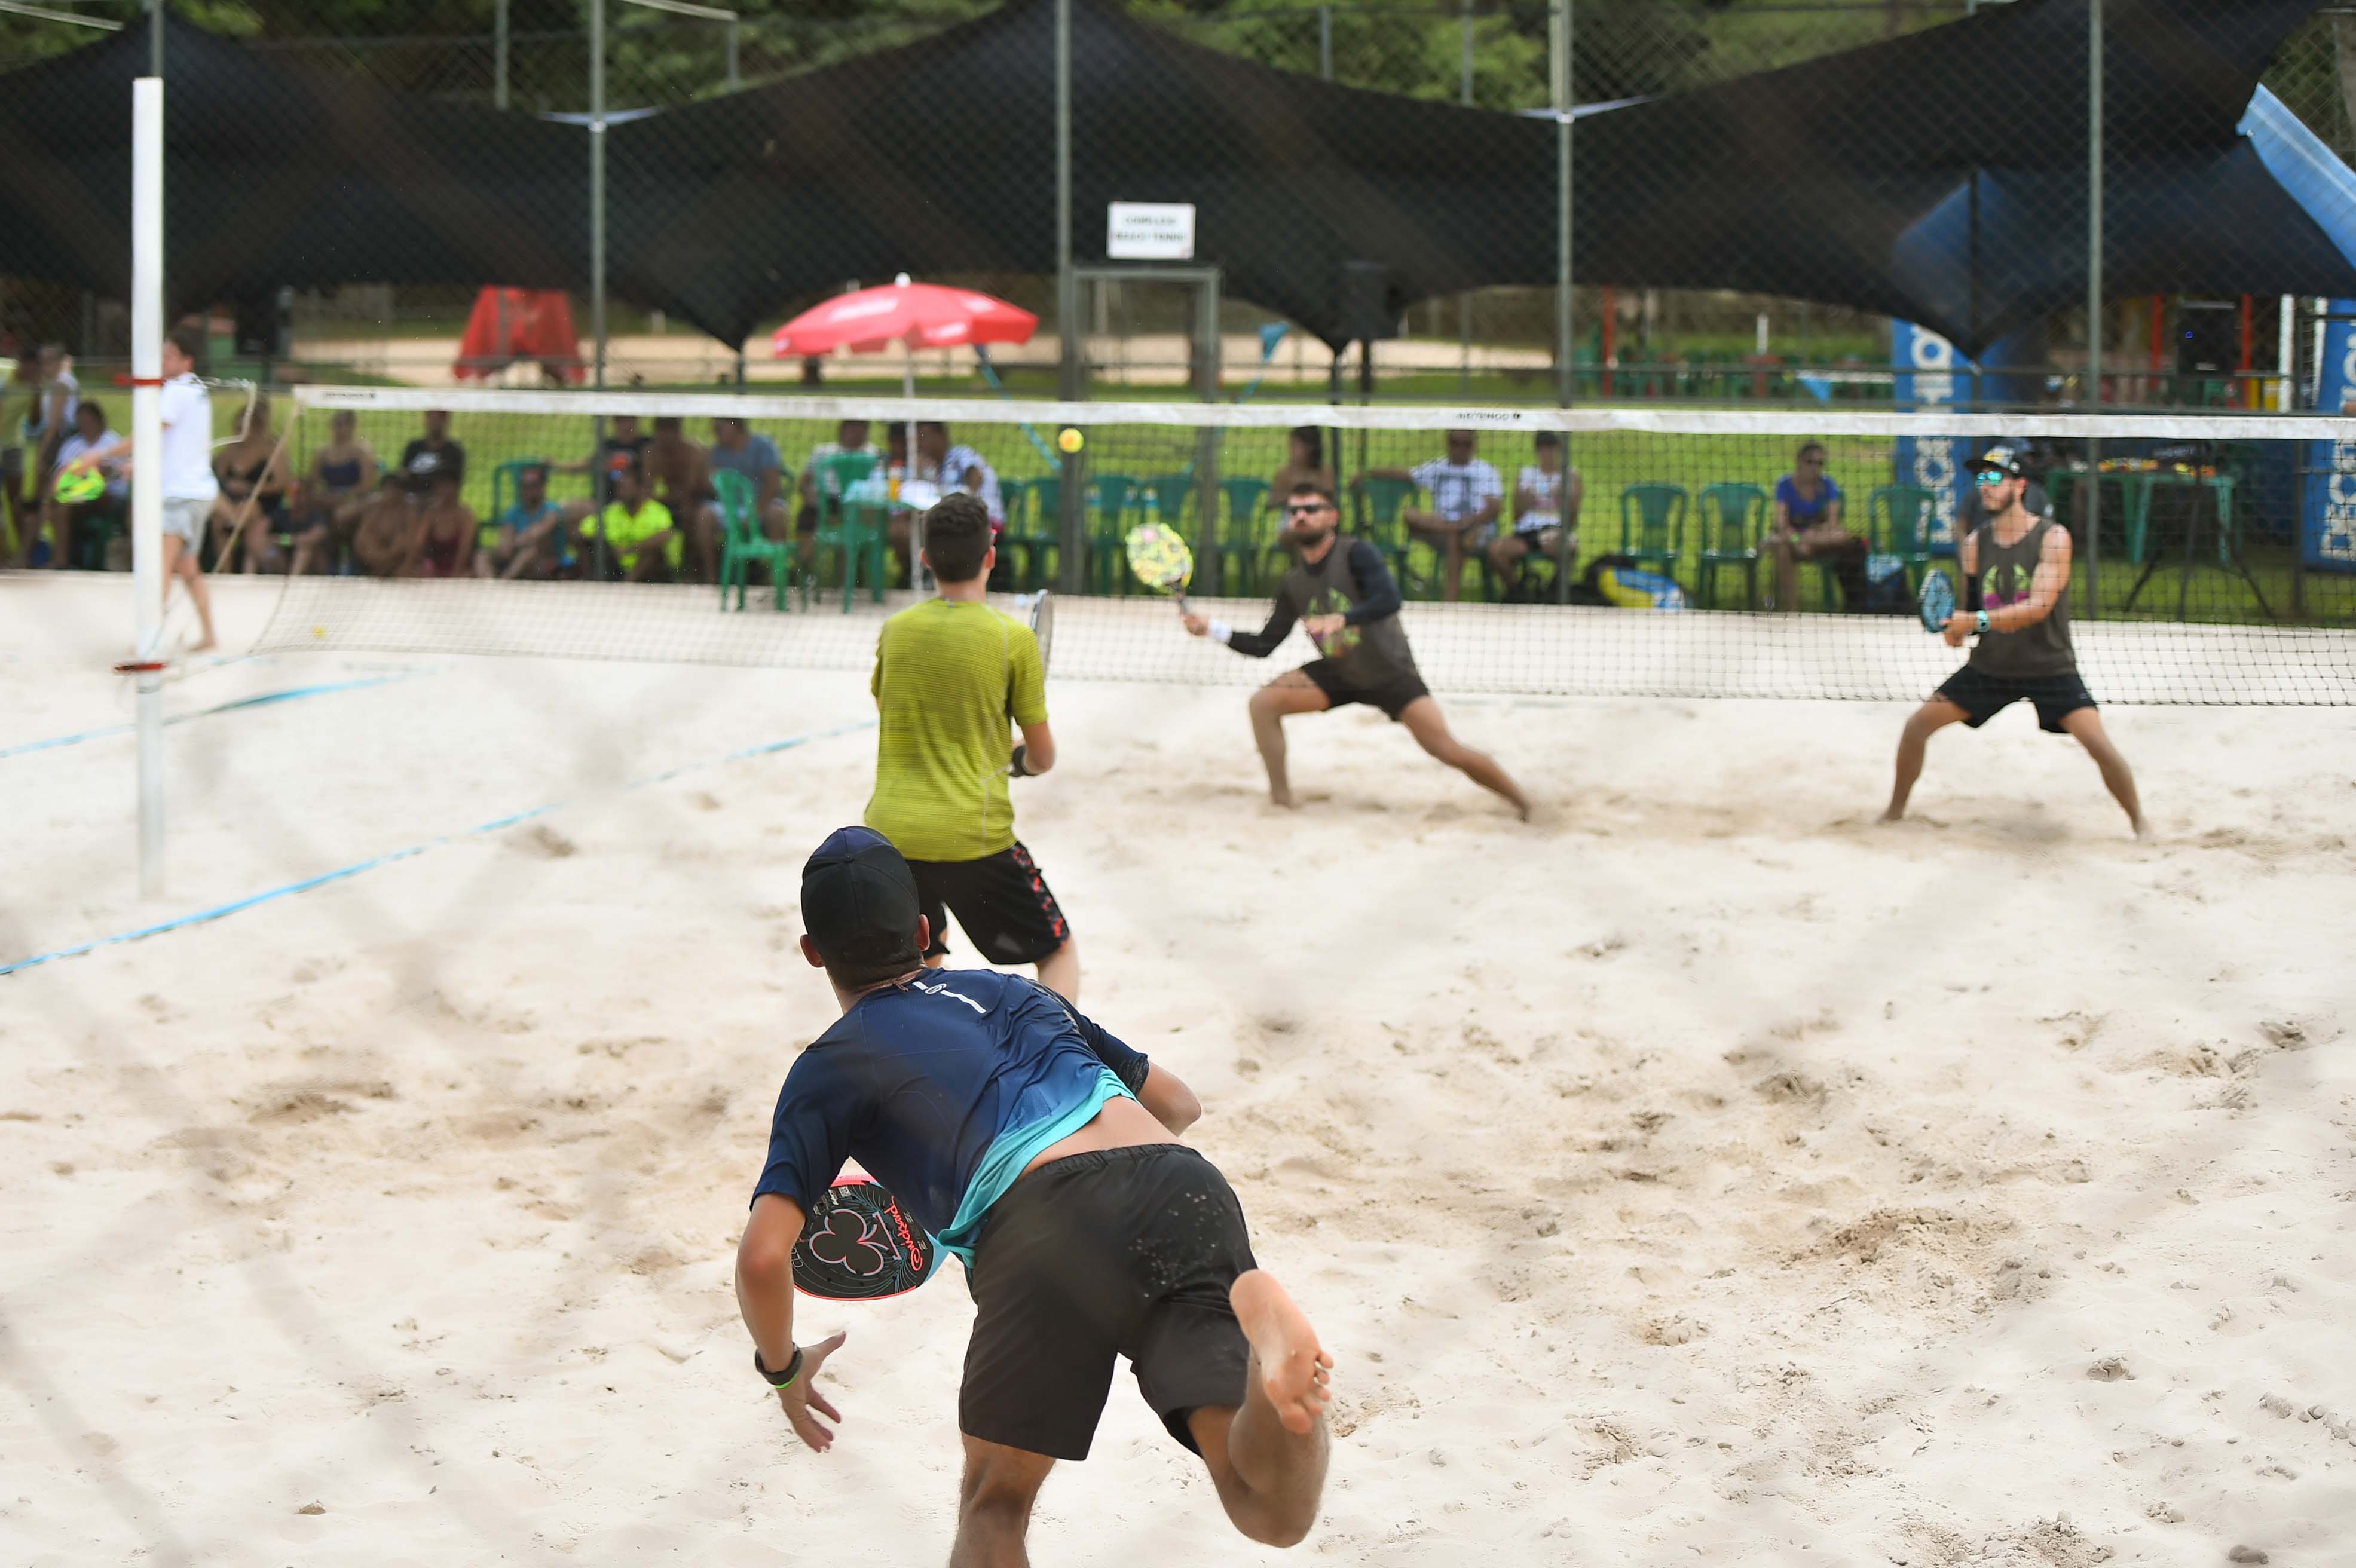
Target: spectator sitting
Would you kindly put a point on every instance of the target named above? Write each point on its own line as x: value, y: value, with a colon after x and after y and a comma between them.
x: 681, y: 475
x: 1304, y: 464
x: 90, y: 434
x: 1546, y: 500
x: 621, y: 447
x: 251, y: 510
x: 639, y: 531
x: 431, y: 452
x: 1808, y: 525
x: 343, y: 476
x: 446, y: 530
x: 533, y: 540
x: 385, y: 538
x: 1466, y: 497
x: 850, y: 438
x: 737, y: 450
x: 958, y: 467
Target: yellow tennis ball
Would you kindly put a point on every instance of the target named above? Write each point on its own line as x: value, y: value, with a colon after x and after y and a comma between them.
x: 319, y: 631
x: 1070, y: 440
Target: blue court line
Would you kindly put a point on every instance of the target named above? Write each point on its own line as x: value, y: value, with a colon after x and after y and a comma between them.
x: 343, y: 873
x: 264, y: 699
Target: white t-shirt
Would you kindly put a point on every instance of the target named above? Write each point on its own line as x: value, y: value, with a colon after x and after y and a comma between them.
x: 1458, y: 490
x: 950, y: 476
x: 1545, y: 489
x: 186, y: 461
x: 73, y: 446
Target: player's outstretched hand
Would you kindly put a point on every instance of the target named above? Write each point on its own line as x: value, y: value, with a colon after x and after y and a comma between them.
x: 1196, y: 625
x: 802, y: 1397
x: 1321, y: 627
x: 1960, y: 627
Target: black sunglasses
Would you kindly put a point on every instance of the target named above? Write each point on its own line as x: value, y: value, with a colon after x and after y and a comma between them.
x: 1303, y: 508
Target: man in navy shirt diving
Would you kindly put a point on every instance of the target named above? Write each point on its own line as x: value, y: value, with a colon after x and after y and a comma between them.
x: 1041, y: 1151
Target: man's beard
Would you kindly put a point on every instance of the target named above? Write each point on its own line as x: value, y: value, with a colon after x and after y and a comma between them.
x: 1310, y: 538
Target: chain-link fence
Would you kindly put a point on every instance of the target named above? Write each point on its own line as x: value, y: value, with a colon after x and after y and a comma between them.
x: 1643, y: 335
x: 429, y: 1102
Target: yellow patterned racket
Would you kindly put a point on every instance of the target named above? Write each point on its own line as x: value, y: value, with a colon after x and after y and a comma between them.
x: 1160, y: 560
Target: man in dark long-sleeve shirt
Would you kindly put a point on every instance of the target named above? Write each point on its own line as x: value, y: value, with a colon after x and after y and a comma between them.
x: 1343, y: 595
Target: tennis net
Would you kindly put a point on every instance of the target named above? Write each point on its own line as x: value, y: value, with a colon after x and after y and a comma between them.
x: 1707, y: 555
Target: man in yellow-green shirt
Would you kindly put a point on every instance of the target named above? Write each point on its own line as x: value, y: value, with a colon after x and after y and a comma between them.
x: 950, y: 674
x: 645, y: 539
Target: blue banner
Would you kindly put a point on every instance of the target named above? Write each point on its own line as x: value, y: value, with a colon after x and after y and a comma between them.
x: 1931, y: 375
x: 2327, y: 519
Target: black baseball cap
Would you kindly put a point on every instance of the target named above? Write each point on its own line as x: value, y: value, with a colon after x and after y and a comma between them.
x: 2004, y: 460
x: 859, y: 906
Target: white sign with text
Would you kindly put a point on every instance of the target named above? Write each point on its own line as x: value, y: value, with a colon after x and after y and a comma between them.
x: 1149, y: 231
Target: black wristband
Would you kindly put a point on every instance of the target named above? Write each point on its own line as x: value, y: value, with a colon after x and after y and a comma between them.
x: 1015, y: 768
x: 785, y: 1378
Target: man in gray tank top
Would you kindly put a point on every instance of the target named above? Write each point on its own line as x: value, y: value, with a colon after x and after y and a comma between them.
x: 1346, y: 600
x: 2020, y: 563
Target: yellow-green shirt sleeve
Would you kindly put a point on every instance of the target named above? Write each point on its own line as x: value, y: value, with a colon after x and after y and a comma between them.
x: 1026, y: 697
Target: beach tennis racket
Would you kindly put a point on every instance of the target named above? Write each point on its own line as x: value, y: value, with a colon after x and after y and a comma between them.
x: 1160, y: 560
x: 1937, y: 600
x: 1043, y: 623
x: 857, y: 1245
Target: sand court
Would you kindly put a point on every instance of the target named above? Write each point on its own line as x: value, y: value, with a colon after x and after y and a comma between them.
x: 1702, y: 1173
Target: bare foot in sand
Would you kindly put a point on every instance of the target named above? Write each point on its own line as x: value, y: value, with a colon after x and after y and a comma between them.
x: 1294, y: 1368
x: 1892, y: 814
x: 1280, y: 798
x: 2144, y: 833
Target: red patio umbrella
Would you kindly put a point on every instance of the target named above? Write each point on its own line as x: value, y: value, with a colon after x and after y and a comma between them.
x: 919, y: 316
x: 915, y: 316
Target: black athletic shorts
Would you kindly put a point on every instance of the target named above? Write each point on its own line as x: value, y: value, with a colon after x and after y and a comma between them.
x: 1000, y: 900
x: 1392, y: 696
x: 1982, y: 696
x: 1126, y: 1251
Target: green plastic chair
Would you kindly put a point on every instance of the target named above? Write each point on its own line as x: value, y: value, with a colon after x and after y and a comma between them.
x: 742, y: 543
x: 1033, y: 525
x: 1897, y: 522
x: 1652, y: 524
x: 1114, y: 495
x: 1733, y: 519
x: 1247, y: 536
x: 844, y: 525
x: 1376, y: 503
x: 1169, y: 495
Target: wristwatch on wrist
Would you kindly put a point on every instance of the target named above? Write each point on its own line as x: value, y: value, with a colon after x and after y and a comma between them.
x: 1984, y: 620
x: 786, y: 1379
